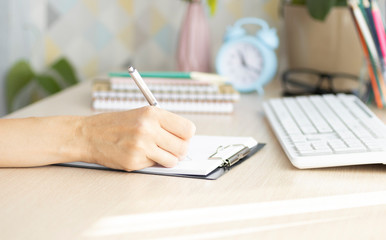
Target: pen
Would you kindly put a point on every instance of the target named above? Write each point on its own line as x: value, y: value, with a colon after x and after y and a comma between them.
x: 142, y: 86
x: 145, y: 90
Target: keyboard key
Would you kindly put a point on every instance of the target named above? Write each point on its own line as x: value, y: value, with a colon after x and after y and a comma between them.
x: 298, y: 138
x: 316, y: 152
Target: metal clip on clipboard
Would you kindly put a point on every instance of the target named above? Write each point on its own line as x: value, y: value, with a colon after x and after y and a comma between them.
x: 230, y: 154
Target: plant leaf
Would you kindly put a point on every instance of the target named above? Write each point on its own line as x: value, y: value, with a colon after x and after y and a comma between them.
x: 18, y: 76
x: 48, y: 83
x: 319, y: 9
x: 65, y: 70
x: 212, y: 6
x: 298, y: 2
x: 341, y: 3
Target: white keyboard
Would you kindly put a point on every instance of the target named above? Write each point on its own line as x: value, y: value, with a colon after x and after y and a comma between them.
x: 327, y: 131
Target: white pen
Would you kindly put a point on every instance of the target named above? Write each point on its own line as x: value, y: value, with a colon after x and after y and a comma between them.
x: 145, y: 90
x: 142, y: 86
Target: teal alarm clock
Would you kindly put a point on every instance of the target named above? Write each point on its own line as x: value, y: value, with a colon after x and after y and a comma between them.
x: 248, y: 61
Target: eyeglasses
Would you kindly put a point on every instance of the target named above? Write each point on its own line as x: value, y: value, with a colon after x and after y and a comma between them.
x: 308, y: 81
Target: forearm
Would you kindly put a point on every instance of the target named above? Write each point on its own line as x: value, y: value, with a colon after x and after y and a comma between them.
x: 40, y: 141
x: 128, y: 140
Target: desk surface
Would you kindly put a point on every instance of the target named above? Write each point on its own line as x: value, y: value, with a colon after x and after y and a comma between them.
x: 264, y: 197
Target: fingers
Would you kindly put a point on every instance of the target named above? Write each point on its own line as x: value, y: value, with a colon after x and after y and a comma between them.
x: 176, y: 124
x: 153, y: 155
x: 172, y: 144
x: 142, y: 159
x: 142, y: 150
x: 163, y: 157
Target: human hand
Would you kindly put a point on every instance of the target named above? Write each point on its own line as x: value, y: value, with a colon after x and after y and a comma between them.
x: 136, y: 139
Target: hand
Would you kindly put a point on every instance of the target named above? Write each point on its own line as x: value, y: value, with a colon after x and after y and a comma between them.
x: 136, y: 139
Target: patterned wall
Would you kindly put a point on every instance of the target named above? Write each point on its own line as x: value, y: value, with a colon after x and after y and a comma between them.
x: 99, y: 36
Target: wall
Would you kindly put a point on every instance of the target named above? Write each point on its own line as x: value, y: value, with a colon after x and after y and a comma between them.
x: 99, y: 36
x: 3, y: 49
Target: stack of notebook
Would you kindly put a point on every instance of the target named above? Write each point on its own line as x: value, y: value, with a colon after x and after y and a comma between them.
x: 176, y: 95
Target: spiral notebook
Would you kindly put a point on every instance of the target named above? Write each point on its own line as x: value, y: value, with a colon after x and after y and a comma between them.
x: 176, y: 95
x: 209, y: 157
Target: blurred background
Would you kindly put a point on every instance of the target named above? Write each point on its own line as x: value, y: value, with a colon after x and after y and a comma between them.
x: 99, y: 36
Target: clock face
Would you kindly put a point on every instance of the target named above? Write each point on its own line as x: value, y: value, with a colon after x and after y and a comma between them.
x: 242, y: 63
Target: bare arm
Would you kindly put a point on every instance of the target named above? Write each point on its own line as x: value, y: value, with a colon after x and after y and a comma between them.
x: 128, y: 140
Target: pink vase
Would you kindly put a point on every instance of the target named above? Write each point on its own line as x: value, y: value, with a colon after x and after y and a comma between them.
x: 193, y: 52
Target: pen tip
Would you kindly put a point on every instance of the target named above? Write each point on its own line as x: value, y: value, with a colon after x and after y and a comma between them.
x: 130, y: 69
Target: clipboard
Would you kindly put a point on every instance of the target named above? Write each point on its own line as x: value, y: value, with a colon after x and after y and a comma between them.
x: 221, y: 170
x: 210, y: 158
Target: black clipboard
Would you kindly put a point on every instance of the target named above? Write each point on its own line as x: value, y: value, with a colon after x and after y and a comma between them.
x: 215, y: 174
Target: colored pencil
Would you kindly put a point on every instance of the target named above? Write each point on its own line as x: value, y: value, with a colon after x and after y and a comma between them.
x: 372, y: 69
x: 379, y: 27
x: 372, y: 28
x: 361, y: 18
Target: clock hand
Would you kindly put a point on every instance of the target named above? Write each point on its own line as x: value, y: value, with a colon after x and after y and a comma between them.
x: 242, y: 58
x: 245, y: 64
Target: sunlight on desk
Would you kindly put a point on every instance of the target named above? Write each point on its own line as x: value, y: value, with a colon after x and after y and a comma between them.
x: 237, y: 232
x: 227, y: 214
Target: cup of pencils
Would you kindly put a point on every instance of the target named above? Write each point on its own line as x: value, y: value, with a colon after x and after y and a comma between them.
x: 370, y: 27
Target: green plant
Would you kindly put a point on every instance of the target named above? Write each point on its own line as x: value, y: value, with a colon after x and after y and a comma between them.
x: 319, y: 9
x: 23, y: 82
x: 211, y: 3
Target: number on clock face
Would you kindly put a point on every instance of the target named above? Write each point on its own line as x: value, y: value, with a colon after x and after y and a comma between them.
x: 243, y: 63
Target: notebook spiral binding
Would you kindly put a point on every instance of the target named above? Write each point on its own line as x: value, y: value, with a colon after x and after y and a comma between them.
x: 187, y: 96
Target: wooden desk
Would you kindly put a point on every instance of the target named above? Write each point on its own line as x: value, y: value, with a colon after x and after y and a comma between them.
x: 265, y: 197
